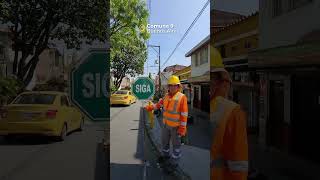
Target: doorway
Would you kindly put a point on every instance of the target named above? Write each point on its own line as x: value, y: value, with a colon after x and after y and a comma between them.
x: 275, y: 123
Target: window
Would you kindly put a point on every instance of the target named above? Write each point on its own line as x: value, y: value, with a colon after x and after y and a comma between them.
x: 223, y: 51
x: 293, y: 4
x: 276, y: 7
x: 196, y: 59
x: 64, y: 101
x: 35, y: 99
x: 247, y: 45
x: 233, y: 48
x: 121, y: 92
x: 193, y: 59
x: 204, y: 56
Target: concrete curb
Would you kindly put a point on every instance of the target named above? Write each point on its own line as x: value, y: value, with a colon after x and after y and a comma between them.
x: 178, y: 172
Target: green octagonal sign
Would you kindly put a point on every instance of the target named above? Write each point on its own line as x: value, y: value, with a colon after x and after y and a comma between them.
x: 89, y: 85
x: 143, y: 88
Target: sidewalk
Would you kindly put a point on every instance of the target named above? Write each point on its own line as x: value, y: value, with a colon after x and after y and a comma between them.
x: 280, y: 166
x: 195, y: 155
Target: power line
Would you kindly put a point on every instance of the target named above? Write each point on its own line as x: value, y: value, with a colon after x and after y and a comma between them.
x: 186, y: 33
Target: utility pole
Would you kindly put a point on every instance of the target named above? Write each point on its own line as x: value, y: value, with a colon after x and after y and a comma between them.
x: 159, y: 63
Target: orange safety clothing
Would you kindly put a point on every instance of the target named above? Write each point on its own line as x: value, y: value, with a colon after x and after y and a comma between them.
x: 175, y: 111
x: 229, y: 148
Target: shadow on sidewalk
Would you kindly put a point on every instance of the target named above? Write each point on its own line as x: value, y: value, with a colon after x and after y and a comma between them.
x: 102, y: 169
x: 126, y: 171
x: 198, y: 130
x: 139, y: 151
x: 276, y: 165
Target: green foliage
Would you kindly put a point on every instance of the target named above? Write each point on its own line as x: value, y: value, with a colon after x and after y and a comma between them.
x: 33, y: 24
x: 9, y: 88
x: 113, y: 89
x: 128, y: 51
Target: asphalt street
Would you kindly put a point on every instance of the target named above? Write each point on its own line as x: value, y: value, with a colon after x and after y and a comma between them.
x: 79, y: 157
x: 129, y: 146
x: 126, y: 142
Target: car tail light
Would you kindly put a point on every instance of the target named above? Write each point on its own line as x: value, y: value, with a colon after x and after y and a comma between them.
x: 51, y: 114
x: 126, y: 97
x: 3, y: 113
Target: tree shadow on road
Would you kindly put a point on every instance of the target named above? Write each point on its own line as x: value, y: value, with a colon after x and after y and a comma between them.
x: 26, y: 140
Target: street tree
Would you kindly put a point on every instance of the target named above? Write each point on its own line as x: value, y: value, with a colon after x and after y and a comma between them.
x: 128, y: 58
x: 128, y: 50
x: 36, y: 24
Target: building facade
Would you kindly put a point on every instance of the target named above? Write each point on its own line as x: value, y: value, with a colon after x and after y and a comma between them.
x: 200, y: 75
x: 235, y: 41
x: 288, y: 62
x: 183, y: 75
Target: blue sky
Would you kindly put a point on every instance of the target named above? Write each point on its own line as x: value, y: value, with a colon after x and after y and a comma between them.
x: 180, y: 13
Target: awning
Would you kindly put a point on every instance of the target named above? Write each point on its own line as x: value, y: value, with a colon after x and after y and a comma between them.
x: 198, y: 79
x: 298, y: 54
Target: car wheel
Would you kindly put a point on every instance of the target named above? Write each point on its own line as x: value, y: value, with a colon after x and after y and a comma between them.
x: 63, y: 133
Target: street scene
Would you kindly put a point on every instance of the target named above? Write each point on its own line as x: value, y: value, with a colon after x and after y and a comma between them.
x: 80, y: 156
x: 159, y: 80
x: 273, y: 69
x: 54, y: 90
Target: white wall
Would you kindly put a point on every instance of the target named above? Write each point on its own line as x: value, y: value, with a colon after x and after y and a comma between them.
x: 289, y: 27
x: 200, y: 69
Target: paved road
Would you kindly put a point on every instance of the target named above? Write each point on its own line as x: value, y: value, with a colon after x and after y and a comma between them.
x: 129, y: 148
x: 79, y: 157
x: 126, y: 142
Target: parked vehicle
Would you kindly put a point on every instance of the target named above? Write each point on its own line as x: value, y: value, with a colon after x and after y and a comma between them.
x: 47, y: 113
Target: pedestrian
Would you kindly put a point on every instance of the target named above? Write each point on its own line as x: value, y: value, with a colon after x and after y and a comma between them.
x: 229, y: 148
x: 175, y: 115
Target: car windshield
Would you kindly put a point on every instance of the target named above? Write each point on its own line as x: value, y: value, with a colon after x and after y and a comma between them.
x: 121, y: 92
x: 35, y: 99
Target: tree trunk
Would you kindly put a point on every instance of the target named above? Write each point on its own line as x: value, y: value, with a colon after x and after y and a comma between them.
x: 15, y: 62
x: 118, y: 81
x: 30, y: 73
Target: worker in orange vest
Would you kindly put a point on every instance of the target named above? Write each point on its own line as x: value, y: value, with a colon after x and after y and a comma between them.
x: 229, y: 148
x: 175, y: 115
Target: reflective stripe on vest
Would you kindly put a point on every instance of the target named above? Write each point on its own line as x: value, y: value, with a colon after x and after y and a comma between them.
x: 183, y: 123
x: 174, y: 111
x: 239, y: 166
x: 184, y: 114
x: 171, y: 119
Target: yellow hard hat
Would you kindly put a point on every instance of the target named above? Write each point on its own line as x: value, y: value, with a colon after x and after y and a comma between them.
x: 216, y: 64
x: 173, y: 80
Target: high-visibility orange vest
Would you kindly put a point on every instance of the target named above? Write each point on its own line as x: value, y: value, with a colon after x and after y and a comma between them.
x: 229, y: 148
x: 175, y: 110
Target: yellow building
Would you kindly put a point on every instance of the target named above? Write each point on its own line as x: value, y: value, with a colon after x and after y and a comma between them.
x: 183, y: 75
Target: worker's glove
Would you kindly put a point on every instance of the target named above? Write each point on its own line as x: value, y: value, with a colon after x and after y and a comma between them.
x: 148, y: 107
x: 160, y: 101
x: 159, y: 104
x: 182, y: 130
